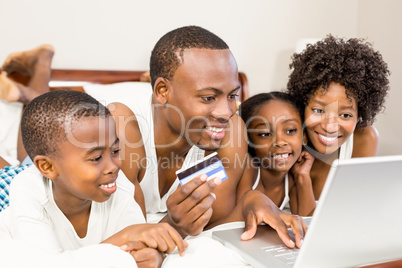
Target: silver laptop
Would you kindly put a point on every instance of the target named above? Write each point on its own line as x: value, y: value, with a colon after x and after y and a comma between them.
x: 358, y: 221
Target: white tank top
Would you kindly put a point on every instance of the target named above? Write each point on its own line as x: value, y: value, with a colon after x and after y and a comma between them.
x: 346, y: 149
x: 285, y: 200
x: 154, y: 204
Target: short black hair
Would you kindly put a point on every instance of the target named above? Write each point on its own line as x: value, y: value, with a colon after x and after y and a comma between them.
x: 43, y: 123
x: 251, y: 106
x: 353, y: 63
x: 167, y: 54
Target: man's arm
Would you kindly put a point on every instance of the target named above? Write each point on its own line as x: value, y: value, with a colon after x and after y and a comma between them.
x: 248, y: 179
x: 255, y: 208
x: 198, y: 203
x: 132, y: 151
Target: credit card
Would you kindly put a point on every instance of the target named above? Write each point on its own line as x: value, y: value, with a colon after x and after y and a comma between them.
x: 211, y: 165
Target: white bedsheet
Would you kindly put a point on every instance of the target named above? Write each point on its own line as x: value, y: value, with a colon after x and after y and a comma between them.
x: 15, y: 254
x: 203, y: 251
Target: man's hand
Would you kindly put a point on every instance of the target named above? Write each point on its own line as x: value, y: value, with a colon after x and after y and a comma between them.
x: 190, y: 206
x: 258, y: 208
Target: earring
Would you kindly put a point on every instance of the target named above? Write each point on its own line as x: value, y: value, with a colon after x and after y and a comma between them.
x: 304, y: 141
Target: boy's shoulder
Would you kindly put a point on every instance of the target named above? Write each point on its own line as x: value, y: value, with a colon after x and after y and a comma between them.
x: 29, y: 177
x: 28, y: 184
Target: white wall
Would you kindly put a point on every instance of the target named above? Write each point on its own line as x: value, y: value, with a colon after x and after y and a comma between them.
x: 380, y: 21
x: 119, y: 34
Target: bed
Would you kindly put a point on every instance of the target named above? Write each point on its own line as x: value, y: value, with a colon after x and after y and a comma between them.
x: 76, y: 79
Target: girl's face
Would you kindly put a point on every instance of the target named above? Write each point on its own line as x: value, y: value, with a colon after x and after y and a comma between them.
x: 275, y: 131
x: 330, y: 118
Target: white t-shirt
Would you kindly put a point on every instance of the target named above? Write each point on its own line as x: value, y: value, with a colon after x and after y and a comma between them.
x: 13, y: 255
x: 155, y: 204
x: 34, y: 217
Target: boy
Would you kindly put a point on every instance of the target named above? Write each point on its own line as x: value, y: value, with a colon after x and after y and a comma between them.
x: 74, y: 195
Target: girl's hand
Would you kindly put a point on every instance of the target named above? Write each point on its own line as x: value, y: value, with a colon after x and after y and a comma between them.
x: 303, y: 165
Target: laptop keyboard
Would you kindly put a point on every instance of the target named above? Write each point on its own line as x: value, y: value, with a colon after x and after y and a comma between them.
x: 283, y: 253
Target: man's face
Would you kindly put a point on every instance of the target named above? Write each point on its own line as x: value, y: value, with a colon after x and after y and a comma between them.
x: 202, y: 96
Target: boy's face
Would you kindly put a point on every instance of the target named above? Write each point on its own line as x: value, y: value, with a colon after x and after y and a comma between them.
x: 330, y: 118
x: 203, y: 91
x: 88, y: 161
x: 276, y: 134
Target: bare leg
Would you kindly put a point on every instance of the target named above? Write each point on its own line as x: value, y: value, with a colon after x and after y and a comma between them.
x: 8, y: 89
x: 35, y: 63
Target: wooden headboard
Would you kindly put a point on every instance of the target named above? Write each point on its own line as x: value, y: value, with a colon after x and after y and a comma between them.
x: 110, y: 77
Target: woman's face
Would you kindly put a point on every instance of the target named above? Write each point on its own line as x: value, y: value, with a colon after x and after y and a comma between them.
x: 330, y: 118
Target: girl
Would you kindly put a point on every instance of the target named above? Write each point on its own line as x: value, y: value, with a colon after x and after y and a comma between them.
x: 340, y: 86
x: 275, y: 134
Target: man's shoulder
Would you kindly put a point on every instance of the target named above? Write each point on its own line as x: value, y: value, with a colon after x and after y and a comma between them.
x: 235, y: 140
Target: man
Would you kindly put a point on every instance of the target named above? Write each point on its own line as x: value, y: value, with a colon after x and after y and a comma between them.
x: 189, y: 114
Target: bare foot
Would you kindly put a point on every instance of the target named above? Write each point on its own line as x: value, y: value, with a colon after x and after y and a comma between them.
x: 145, y: 77
x: 8, y: 89
x: 24, y: 62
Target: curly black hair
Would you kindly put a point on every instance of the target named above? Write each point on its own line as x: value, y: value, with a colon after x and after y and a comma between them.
x: 48, y: 117
x: 353, y: 63
x: 166, y: 56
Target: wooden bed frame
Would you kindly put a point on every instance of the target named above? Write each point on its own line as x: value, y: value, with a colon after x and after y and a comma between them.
x: 108, y: 77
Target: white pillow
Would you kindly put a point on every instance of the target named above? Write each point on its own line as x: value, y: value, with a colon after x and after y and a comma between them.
x: 119, y: 92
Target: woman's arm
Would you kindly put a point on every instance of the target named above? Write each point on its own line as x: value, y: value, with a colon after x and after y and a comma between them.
x: 365, y: 142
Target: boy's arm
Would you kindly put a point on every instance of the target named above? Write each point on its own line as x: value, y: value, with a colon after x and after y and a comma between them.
x: 132, y: 149
x: 159, y: 236
x: 365, y: 142
x: 143, y: 255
